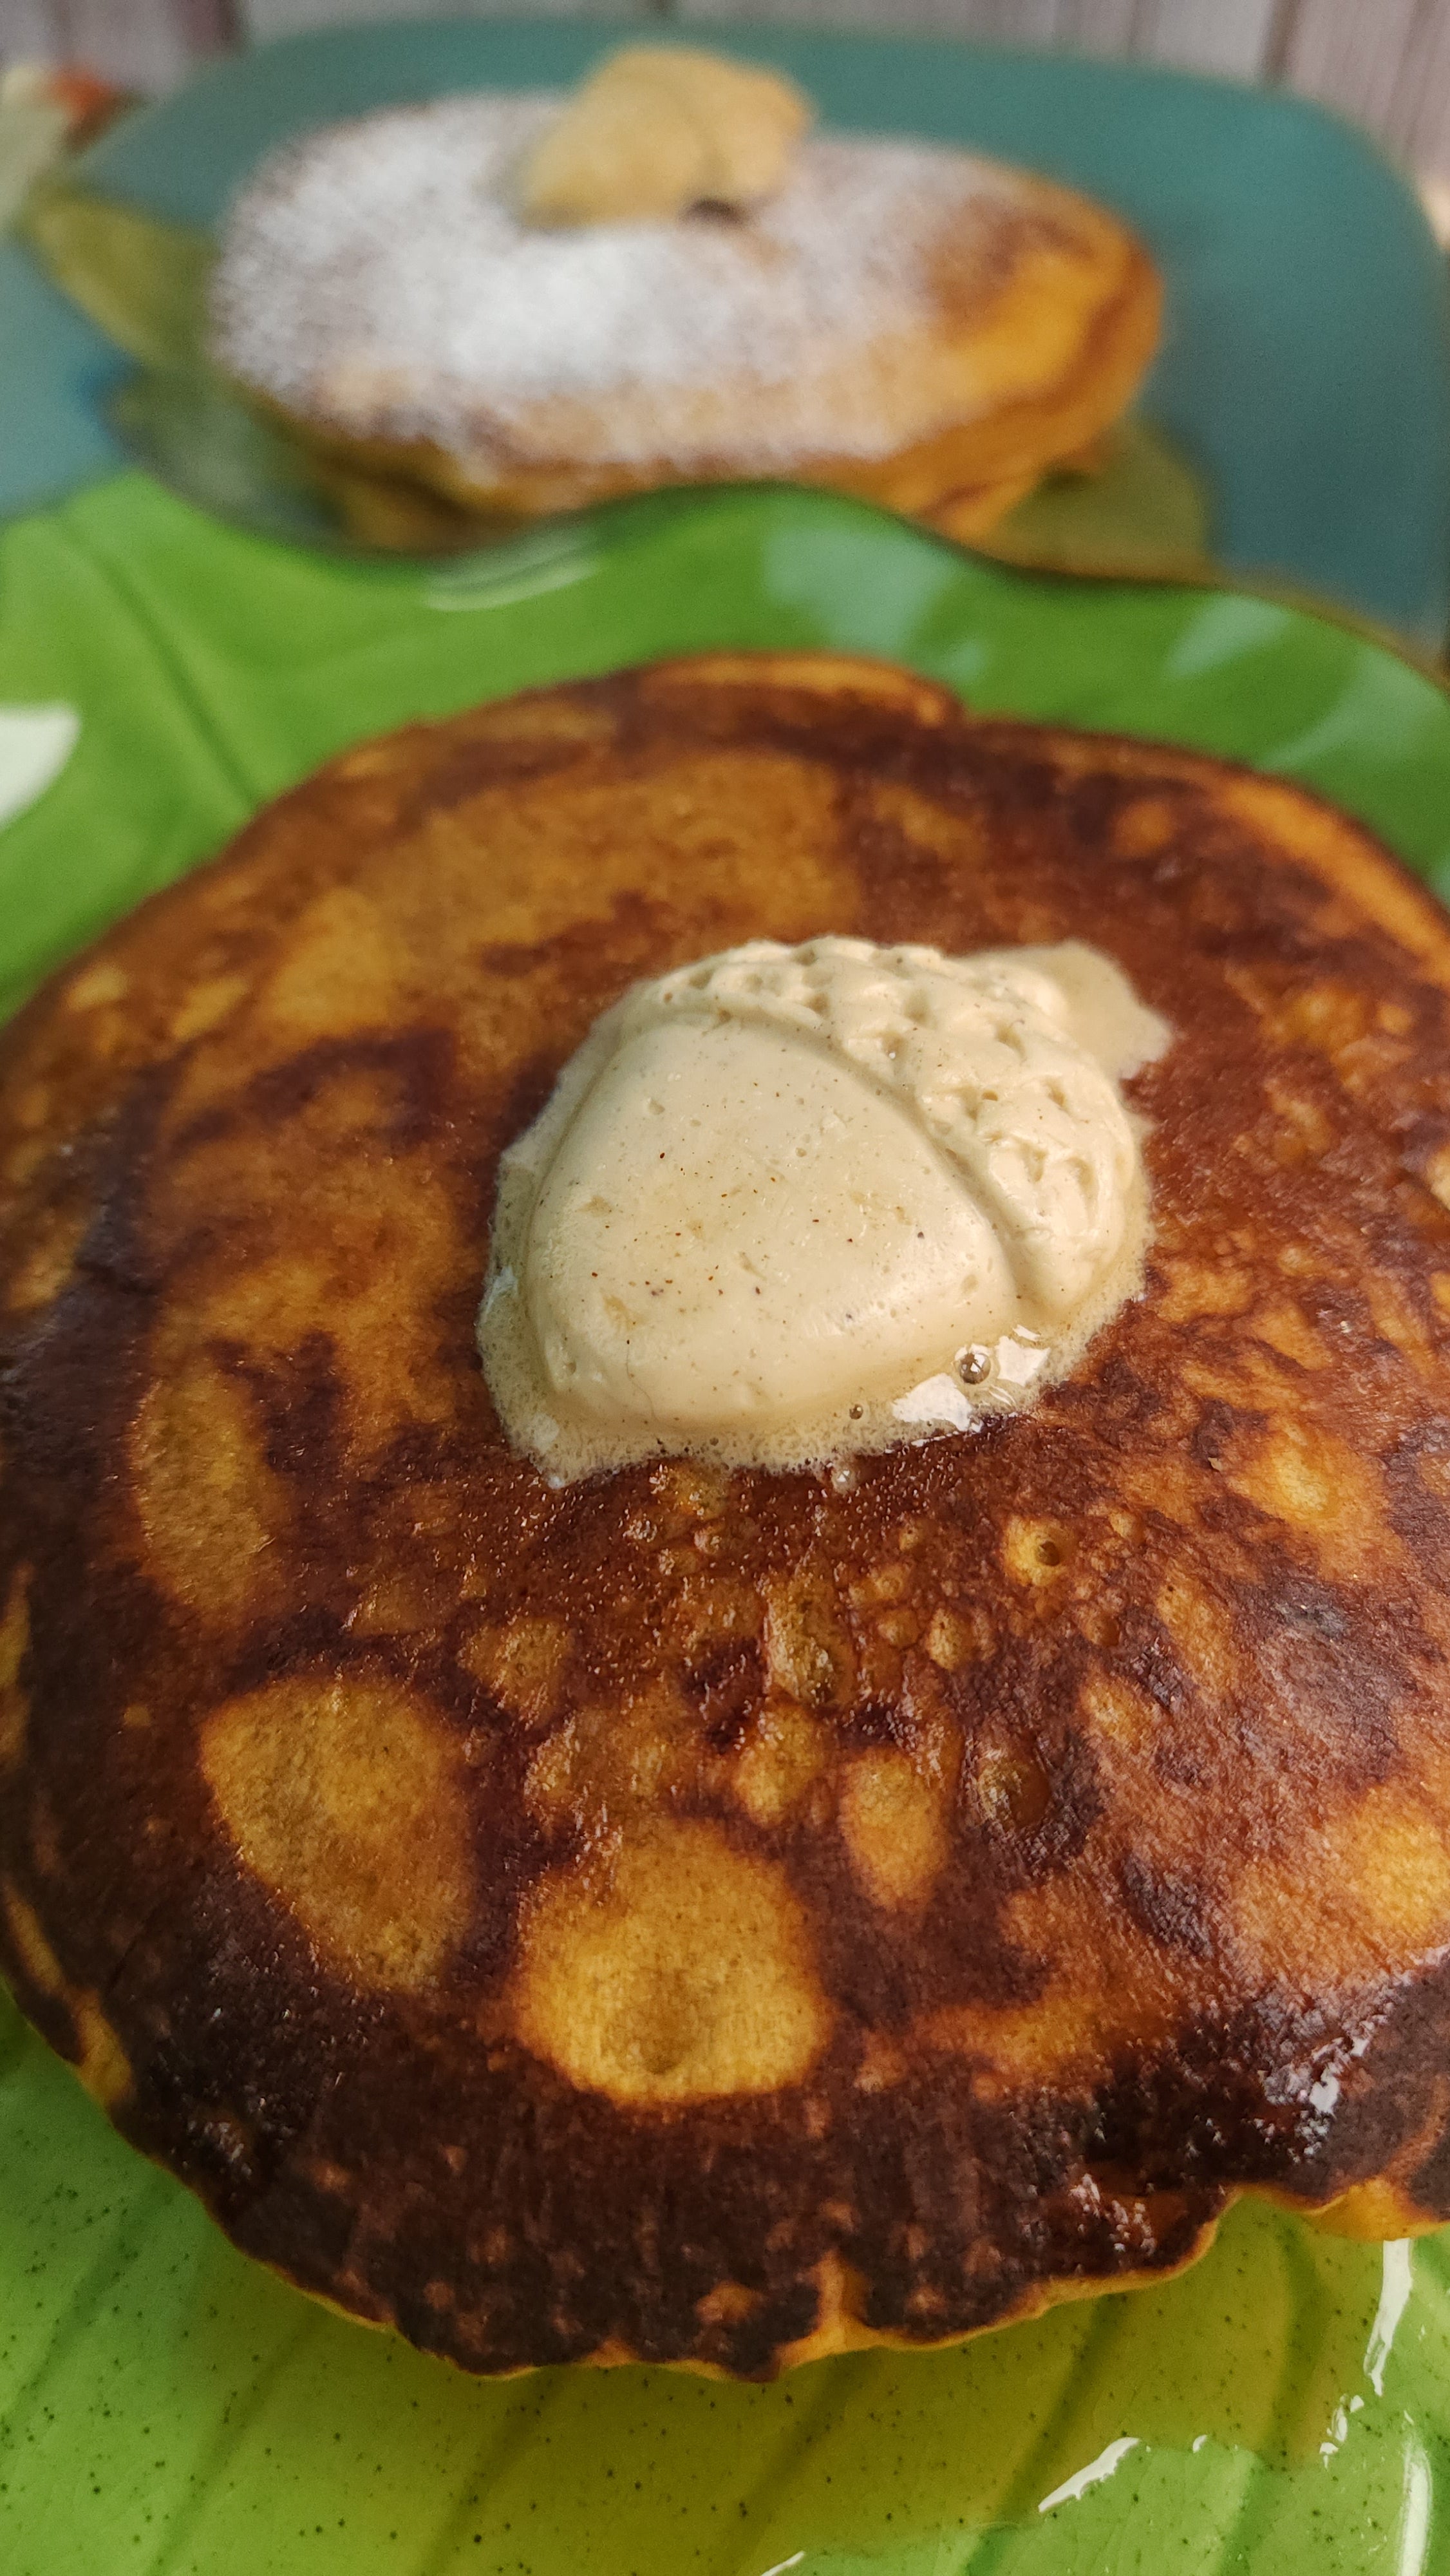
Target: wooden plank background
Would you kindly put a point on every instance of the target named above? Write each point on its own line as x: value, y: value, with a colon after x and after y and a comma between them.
x: 1384, y: 61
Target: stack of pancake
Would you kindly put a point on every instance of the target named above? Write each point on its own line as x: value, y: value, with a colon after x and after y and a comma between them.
x: 918, y: 326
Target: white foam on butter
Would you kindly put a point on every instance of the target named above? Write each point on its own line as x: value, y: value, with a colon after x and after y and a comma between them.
x: 791, y: 1203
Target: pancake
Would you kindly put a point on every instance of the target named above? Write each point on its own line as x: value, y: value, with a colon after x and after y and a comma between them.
x: 724, y: 1917
x: 920, y: 327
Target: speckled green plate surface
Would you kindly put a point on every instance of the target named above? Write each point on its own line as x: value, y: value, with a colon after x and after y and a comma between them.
x: 164, y: 2405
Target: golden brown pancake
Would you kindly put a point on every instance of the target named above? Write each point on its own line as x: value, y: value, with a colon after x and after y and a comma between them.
x: 920, y: 327
x: 722, y: 1918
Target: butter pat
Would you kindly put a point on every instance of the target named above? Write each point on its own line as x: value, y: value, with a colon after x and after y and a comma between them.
x: 659, y: 128
x: 796, y: 1202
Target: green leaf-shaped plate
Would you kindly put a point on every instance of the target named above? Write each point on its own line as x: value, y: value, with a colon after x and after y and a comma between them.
x: 165, y: 2405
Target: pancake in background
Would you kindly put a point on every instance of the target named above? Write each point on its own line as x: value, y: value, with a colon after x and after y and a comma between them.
x: 917, y: 326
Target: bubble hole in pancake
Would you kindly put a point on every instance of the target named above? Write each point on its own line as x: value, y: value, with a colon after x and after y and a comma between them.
x: 709, y: 1916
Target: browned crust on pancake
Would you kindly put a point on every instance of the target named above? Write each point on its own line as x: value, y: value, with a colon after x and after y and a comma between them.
x: 720, y: 1919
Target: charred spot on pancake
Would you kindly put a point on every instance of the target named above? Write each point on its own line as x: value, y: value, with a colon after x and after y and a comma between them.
x: 718, y: 1916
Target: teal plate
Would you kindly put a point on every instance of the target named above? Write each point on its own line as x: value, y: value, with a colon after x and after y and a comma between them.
x: 167, y: 2406
x: 1306, y: 360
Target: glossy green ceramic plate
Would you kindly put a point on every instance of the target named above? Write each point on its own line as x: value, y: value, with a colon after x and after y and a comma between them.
x: 164, y: 2405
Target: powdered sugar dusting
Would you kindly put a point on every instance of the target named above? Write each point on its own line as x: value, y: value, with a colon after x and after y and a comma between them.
x: 374, y: 278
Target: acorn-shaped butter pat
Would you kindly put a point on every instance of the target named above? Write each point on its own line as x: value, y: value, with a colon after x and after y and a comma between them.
x: 658, y: 129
